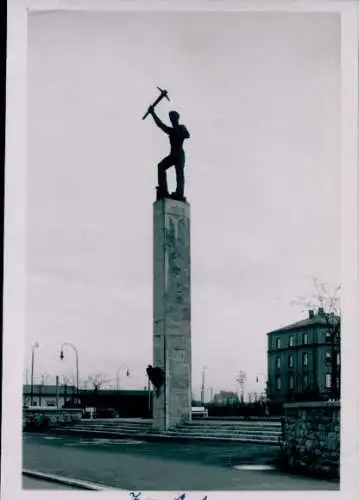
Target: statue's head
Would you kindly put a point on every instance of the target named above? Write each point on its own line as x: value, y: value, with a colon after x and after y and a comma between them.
x: 174, y: 117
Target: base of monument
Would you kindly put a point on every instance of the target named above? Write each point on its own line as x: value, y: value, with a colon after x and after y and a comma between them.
x: 165, y: 194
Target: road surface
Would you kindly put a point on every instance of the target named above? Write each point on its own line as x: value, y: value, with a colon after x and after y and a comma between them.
x: 137, y: 465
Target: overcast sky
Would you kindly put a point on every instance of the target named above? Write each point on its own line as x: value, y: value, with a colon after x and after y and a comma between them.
x: 259, y: 94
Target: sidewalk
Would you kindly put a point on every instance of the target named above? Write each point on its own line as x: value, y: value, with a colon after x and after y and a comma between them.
x: 39, y: 480
x: 29, y: 483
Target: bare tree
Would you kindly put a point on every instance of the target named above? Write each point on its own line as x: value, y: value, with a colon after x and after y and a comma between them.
x: 98, y: 379
x: 44, y: 378
x: 321, y: 299
x: 326, y: 303
x: 68, y: 380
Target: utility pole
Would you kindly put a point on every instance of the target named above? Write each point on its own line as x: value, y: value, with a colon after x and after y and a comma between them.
x: 34, y: 346
x: 203, y: 384
x: 57, y: 391
x: 77, y: 365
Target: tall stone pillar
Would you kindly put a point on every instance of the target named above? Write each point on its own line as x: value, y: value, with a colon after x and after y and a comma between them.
x: 172, y: 312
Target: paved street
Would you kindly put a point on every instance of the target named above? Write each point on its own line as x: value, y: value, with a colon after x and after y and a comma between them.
x: 136, y: 465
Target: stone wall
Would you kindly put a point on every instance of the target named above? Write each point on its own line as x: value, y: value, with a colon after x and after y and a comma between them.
x: 42, y: 418
x: 311, y: 437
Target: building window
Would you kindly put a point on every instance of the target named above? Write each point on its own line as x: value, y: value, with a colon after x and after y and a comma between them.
x: 290, y: 360
x: 305, y: 359
x: 328, y: 381
x: 305, y: 382
x: 278, y: 384
x: 291, y: 382
x: 277, y: 343
x: 277, y: 362
x: 328, y: 358
x: 291, y: 341
x: 305, y: 338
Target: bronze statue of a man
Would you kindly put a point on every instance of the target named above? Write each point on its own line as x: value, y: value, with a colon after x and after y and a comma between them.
x: 177, y: 134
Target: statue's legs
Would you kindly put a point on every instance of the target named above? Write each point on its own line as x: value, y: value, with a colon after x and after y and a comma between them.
x: 162, y: 177
x: 178, y: 161
x: 179, y: 166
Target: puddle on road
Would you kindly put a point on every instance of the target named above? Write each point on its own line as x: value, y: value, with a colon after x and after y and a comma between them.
x: 111, y: 441
x: 254, y: 467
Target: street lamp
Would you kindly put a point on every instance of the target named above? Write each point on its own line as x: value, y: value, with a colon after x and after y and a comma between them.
x: 33, y: 347
x: 77, y: 364
x: 118, y: 375
x: 203, y: 384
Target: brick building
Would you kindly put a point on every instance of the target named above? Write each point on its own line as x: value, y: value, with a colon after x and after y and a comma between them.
x: 300, y: 359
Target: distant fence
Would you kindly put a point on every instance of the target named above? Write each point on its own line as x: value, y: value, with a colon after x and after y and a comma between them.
x: 42, y: 418
x: 253, y: 418
x: 237, y: 409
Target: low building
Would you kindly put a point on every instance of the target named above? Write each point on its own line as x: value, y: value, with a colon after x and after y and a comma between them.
x: 48, y: 395
x: 128, y: 403
x: 300, y: 359
x: 225, y: 398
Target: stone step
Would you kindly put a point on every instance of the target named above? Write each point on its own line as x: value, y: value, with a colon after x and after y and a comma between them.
x: 188, y: 427
x: 231, y: 426
x: 206, y: 421
x: 190, y: 433
x: 250, y: 432
x: 220, y: 434
x: 200, y: 432
x: 167, y: 435
x: 114, y: 424
x: 185, y: 427
x: 229, y: 429
x: 207, y: 426
x: 115, y: 421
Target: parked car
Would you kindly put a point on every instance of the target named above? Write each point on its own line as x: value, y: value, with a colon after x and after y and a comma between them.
x: 106, y: 413
x: 199, y: 411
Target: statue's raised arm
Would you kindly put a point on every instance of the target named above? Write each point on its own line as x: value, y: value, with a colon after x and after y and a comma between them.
x: 158, y: 122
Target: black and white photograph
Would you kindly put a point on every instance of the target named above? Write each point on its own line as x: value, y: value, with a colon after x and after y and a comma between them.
x: 186, y: 264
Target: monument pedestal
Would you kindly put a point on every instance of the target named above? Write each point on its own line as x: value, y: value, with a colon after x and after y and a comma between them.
x: 172, y: 404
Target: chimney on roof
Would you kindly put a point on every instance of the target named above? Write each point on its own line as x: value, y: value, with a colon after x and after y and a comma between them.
x: 311, y: 314
x: 320, y: 311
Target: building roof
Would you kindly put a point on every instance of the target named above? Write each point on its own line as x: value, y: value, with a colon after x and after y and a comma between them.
x: 111, y: 392
x: 47, y: 390
x: 50, y: 390
x: 317, y: 320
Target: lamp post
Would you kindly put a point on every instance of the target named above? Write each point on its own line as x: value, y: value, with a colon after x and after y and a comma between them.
x: 118, y: 375
x: 33, y: 347
x: 203, y: 384
x: 149, y: 394
x: 77, y: 364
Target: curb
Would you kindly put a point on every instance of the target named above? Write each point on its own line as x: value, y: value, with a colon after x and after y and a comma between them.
x: 159, y: 437
x: 75, y: 483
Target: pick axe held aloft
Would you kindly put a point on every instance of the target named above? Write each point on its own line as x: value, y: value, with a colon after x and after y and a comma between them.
x: 163, y: 93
